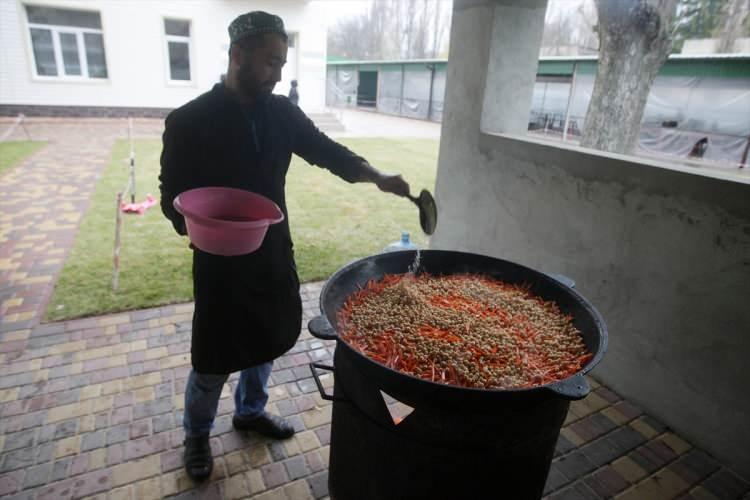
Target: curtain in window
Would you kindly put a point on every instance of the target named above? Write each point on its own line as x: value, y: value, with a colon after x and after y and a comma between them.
x: 94, y: 44
x: 44, y: 52
x: 69, y: 47
x: 179, y: 61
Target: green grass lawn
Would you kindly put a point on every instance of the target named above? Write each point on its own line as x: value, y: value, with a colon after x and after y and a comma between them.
x: 13, y: 152
x: 333, y: 222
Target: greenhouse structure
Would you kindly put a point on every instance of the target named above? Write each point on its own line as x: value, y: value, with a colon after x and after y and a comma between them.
x: 699, y: 106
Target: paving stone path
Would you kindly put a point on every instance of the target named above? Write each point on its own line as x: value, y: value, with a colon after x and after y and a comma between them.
x: 91, y: 408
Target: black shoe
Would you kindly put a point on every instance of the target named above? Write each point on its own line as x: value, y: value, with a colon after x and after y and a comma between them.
x: 266, y: 424
x: 198, y: 460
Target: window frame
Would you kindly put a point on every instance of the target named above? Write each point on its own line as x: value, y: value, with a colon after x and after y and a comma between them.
x: 80, y: 48
x: 56, y: 30
x: 179, y: 39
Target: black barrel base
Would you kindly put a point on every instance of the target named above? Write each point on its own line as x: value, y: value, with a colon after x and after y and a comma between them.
x: 370, y: 462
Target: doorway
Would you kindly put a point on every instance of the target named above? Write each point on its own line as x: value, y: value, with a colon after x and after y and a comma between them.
x: 367, y: 90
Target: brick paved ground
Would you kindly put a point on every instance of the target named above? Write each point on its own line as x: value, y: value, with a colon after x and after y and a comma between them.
x: 91, y: 408
x: 41, y: 204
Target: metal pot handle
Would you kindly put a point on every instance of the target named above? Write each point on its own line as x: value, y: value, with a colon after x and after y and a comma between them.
x: 577, y: 387
x: 574, y: 388
x: 561, y: 278
x: 314, y: 367
x: 320, y: 327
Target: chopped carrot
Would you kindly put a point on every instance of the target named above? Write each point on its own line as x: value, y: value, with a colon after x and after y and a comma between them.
x: 522, y: 351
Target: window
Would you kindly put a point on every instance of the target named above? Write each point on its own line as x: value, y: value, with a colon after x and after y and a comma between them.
x: 178, y: 49
x: 66, y: 43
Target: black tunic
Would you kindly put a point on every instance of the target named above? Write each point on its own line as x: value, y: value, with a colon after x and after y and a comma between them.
x: 247, y: 308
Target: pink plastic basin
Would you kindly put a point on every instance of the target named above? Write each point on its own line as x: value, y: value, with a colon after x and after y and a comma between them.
x: 226, y: 221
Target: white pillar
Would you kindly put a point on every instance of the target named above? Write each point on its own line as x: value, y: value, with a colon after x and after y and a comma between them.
x: 491, y: 72
x: 513, y: 59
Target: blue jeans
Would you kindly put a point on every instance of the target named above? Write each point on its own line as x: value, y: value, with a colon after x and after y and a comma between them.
x: 203, y: 391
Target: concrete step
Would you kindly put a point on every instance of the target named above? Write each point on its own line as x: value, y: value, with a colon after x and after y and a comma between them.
x: 326, y: 122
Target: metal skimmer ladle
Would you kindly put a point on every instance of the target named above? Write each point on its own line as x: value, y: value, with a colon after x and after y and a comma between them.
x: 427, y: 211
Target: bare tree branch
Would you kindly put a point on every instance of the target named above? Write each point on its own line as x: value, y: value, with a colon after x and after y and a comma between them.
x: 392, y: 29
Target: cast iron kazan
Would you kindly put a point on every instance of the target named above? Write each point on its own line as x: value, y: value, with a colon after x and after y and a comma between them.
x: 454, y: 433
x: 438, y: 262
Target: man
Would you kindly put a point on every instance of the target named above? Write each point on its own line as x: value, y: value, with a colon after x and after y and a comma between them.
x: 247, y: 308
x: 294, y: 94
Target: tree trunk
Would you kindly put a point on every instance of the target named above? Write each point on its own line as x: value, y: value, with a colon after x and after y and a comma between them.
x: 634, y: 42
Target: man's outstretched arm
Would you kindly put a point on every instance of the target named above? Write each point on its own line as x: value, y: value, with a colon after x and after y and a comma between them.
x: 318, y: 149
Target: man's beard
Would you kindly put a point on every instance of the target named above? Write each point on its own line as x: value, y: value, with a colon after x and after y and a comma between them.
x: 249, y: 85
x: 246, y: 81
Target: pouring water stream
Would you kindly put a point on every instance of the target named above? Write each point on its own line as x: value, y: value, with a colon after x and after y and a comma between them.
x: 414, y: 267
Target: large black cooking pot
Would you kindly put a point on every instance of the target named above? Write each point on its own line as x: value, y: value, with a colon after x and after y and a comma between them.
x: 458, y: 441
x: 413, y: 390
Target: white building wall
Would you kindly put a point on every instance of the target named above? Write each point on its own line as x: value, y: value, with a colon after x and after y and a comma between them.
x: 137, y: 61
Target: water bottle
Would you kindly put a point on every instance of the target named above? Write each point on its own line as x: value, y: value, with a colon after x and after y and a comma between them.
x: 403, y: 244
